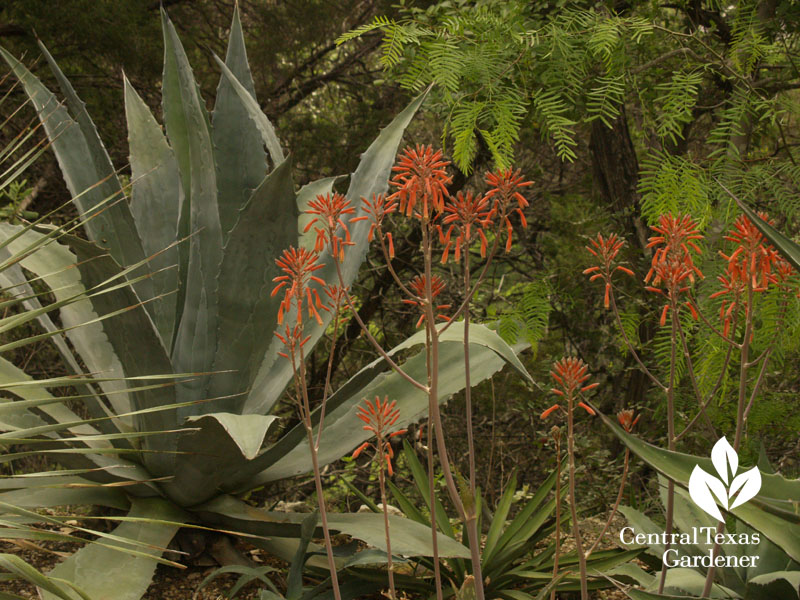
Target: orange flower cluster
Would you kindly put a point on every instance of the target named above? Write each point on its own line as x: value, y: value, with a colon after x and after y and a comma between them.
x: 421, y: 174
x: 376, y: 210
x: 673, y: 265
x: 606, y: 250
x: 417, y: 286
x: 505, y: 189
x: 378, y: 418
x: 570, y: 374
x: 330, y: 210
x: 626, y: 420
x: 298, y: 266
x: 750, y: 266
x: 468, y: 215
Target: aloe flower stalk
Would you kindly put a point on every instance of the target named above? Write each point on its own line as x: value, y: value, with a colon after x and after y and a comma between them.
x: 570, y: 374
x: 379, y: 418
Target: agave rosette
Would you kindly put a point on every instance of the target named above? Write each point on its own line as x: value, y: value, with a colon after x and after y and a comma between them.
x: 174, y: 284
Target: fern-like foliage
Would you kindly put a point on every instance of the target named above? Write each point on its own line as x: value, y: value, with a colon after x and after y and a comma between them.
x: 482, y: 57
x: 529, y: 318
x: 672, y: 184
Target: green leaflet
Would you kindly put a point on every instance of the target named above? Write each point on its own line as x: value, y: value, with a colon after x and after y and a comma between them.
x: 156, y: 202
x: 239, y: 150
x: 106, y: 574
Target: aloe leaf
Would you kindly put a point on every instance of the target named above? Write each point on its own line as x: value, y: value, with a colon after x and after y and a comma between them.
x: 248, y: 314
x: 371, y: 176
x: 105, y: 573
x: 498, y: 523
x: 791, y: 578
x: 86, y: 169
x: 290, y: 455
x: 55, y: 264
x: 136, y: 342
x: 156, y: 202
x: 188, y: 129
x: 409, y: 538
x: 241, y: 160
x: 788, y: 249
x: 294, y: 583
x: 689, y: 581
x: 258, y: 118
x: 764, y: 513
x: 224, y: 442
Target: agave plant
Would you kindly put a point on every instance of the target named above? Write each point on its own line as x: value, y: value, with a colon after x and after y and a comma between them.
x: 175, y: 284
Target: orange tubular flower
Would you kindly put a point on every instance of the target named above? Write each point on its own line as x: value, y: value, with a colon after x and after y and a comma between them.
x: 750, y: 264
x: 626, y: 420
x: 293, y: 339
x: 468, y: 215
x: 298, y: 266
x: 505, y: 189
x: 376, y: 210
x: 379, y: 417
x: 421, y: 175
x: 417, y: 286
x: 605, y: 250
x: 673, y: 265
x: 758, y: 257
x: 330, y: 210
x: 570, y: 374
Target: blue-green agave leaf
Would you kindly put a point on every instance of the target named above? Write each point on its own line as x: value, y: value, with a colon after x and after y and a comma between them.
x: 248, y: 313
x: 156, y: 202
x: 189, y: 132
x: 87, y: 171
x: 239, y: 149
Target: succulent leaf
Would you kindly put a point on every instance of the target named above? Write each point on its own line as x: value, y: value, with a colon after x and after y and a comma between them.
x: 239, y: 149
x: 156, y: 202
x: 188, y: 129
x: 247, y: 312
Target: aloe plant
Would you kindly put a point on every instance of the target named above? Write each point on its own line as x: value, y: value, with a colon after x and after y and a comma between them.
x: 213, y: 203
x: 516, y: 562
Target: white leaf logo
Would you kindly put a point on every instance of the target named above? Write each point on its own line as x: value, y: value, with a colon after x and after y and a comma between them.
x: 707, y: 491
x: 723, y: 455
x: 749, y: 482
